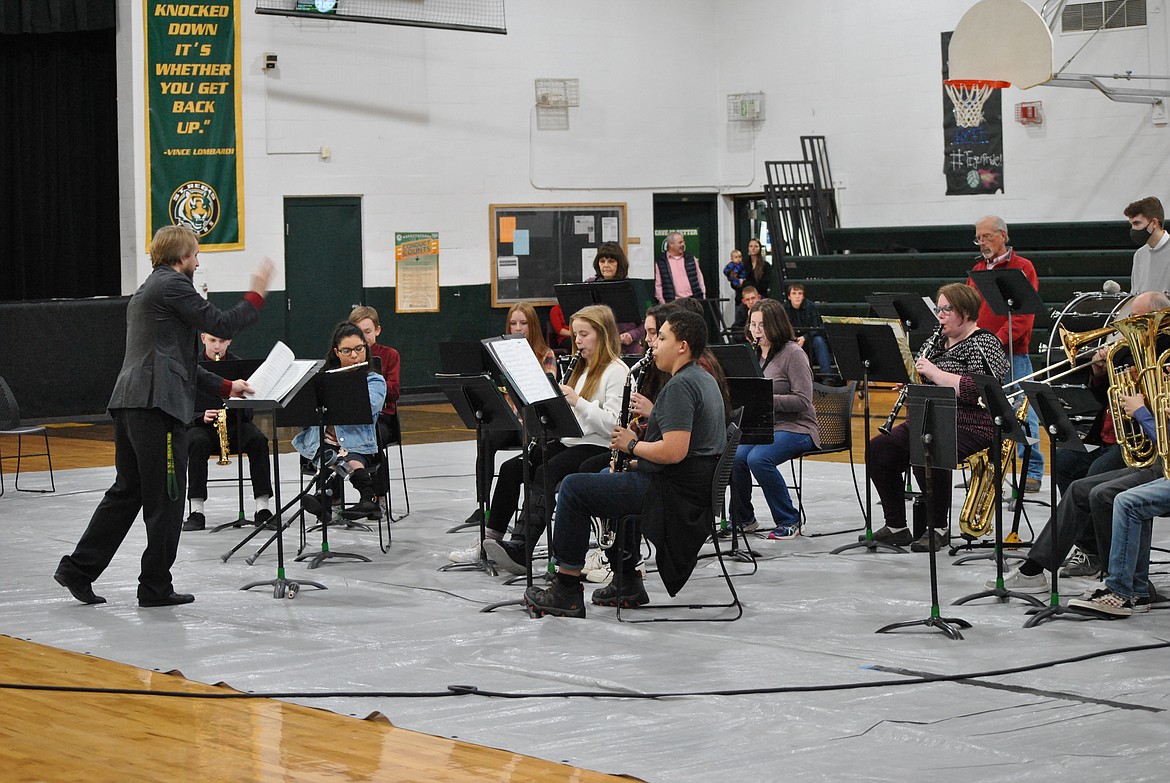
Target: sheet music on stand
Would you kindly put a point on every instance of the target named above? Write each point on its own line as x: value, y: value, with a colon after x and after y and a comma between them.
x: 279, y: 375
x: 522, y: 371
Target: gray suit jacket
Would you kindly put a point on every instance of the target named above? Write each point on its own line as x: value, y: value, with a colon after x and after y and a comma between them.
x: 163, y: 321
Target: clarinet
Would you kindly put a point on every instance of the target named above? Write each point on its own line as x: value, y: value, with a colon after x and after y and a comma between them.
x: 619, y: 460
x: 898, y: 403
x: 570, y: 365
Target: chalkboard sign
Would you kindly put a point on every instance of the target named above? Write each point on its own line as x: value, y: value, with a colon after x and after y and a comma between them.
x: 536, y: 246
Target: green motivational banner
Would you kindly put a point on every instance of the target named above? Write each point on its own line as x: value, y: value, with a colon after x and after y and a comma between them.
x: 194, y: 163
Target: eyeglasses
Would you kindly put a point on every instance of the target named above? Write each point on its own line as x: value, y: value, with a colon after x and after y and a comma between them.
x: 948, y: 308
x: 984, y: 238
x: 351, y: 351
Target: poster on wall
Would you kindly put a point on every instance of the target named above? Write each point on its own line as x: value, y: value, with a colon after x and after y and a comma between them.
x: 972, y: 157
x: 194, y: 159
x: 416, y: 262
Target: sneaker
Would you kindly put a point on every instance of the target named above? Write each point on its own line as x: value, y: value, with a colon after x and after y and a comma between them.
x: 899, y: 536
x: 1022, y: 583
x: 596, y: 568
x: 1031, y: 486
x: 594, y: 558
x: 469, y: 554
x: 508, y: 555
x: 557, y: 599
x: 1141, y: 604
x: 1103, y: 602
x: 750, y: 527
x: 783, y: 532
x: 1080, y: 564
x: 931, y: 539
x: 196, y: 521
x: 633, y: 593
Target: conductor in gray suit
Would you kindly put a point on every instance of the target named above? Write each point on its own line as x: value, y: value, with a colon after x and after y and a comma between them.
x: 153, y: 396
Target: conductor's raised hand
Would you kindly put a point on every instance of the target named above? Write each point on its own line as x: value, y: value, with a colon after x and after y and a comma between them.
x: 262, y: 277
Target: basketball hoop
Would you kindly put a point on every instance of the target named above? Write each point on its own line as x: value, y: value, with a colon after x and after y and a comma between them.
x: 968, y: 96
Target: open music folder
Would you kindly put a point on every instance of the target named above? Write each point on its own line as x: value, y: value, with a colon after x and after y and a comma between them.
x: 277, y: 378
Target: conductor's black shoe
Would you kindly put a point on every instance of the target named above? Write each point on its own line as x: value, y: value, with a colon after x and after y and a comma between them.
x: 77, y: 585
x: 171, y: 599
x: 898, y: 536
x: 933, y: 538
x: 195, y: 521
x: 633, y: 592
x: 264, y: 519
x: 365, y: 509
x: 557, y: 599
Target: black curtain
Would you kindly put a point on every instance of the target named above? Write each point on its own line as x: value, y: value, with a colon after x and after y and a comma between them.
x: 59, y: 211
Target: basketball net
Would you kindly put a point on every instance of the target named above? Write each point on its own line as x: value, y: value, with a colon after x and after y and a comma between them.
x: 968, y: 97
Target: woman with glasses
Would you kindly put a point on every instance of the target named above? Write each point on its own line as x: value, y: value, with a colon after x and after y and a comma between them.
x: 356, y: 444
x: 958, y: 350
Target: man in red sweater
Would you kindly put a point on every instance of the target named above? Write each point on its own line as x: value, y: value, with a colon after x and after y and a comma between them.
x: 991, y: 235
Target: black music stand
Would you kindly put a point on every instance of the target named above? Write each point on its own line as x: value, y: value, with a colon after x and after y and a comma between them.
x: 912, y: 310
x: 757, y: 422
x: 341, y: 397
x: 1005, y: 424
x: 1061, y: 435
x: 1008, y: 293
x: 933, y: 444
x: 619, y: 295
x: 230, y: 369
x: 481, y: 407
x: 281, y: 586
x: 545, y: 411
x: 865, y: 353
x: 737, y: 360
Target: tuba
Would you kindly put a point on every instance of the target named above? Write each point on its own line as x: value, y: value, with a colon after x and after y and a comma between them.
x: 1143, y: 376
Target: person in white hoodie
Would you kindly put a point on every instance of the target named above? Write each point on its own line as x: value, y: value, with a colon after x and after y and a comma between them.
x: 594, y: 392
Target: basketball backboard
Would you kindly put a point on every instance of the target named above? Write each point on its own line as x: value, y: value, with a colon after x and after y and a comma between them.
x: 1004, y: 41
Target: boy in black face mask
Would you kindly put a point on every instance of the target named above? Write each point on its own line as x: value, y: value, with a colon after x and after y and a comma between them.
x: 1151, y: 262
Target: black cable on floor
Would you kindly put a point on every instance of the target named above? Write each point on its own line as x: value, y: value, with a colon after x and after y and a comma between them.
x: 471, y: 690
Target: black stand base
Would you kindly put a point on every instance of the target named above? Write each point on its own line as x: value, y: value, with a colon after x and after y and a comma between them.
x: 285, y: 588
x: 870, y: 545
x: 463, y: 526
x: 243, y: 521
x: 317, y: 558
x: 1054, y: 611
x: 483, y: 564
x: 501, y: 604
x: 971, y: 546
x: 1001, y: 594
x: 944, y: 624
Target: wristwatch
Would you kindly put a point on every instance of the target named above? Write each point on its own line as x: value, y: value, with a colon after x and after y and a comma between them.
x: 630, y: 448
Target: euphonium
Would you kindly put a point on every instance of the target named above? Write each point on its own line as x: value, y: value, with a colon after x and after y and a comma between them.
x: 1140, y: 335
x: 978, y: 512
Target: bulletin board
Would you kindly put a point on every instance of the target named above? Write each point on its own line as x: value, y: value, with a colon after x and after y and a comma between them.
x: 536, y: 246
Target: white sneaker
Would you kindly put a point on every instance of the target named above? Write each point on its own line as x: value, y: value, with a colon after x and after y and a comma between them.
x: 1017, y: 582
x: 468, y: 555
x: 603, y: 574
x: 594, y: 559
